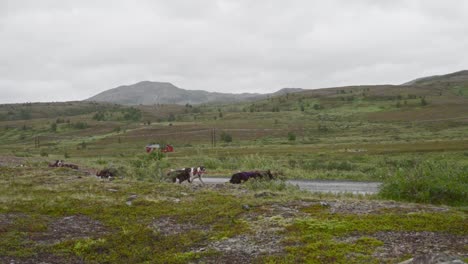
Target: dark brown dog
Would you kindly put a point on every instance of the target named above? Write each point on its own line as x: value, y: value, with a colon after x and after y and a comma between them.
x: 106, y: 174
x: 240, y: 177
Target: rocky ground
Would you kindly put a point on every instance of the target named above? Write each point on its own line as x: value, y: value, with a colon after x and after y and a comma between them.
x: 267, y: 221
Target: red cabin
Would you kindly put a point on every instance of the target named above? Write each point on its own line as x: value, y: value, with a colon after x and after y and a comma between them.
x: 164, y: 148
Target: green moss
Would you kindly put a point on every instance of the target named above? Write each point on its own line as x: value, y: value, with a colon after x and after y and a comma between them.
x: 40, y: 195
x: 428, y: 182
x: 317, y: 240
x: 16, y: 244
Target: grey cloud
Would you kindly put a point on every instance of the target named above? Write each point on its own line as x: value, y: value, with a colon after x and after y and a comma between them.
x: 75, y: 49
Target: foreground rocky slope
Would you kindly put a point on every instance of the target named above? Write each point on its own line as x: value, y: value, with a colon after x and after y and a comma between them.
x: 59, y: 215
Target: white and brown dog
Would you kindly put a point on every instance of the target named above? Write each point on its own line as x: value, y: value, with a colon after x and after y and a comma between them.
x: 196, y: 173
x: 186, y: 174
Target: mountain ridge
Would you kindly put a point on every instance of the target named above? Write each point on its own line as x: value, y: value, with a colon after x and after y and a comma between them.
x: 150, y: 93
x: 458, y: 76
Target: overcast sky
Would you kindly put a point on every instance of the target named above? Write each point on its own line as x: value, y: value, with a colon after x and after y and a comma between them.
x: 71, y: 50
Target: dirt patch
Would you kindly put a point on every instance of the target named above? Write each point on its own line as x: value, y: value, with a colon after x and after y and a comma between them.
x: 379, y: 207
x: 264, y: 239
x: 168, y: 226
x: 8, y: 219
x: 244, y: 248
x: 42, y: 258
x: 11, y: 161
x: 398, y: 245
x: 70, y: 227
x: 439, y: 258
x: 228, y: 257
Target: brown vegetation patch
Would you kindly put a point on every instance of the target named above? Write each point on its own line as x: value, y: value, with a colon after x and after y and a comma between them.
x: 70, y: 227
x: 244, y: 248
x: 10, y: 161
x: 43, y: 258
x: 397, y: 244
x: 433, y: 113
x: 379, y: 207
x: 267, y: 224
x: 6, y: 220
x: 168, y: 226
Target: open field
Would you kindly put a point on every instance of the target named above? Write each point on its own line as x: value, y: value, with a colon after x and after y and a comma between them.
x: 413, y: 139
x: 59, y: 215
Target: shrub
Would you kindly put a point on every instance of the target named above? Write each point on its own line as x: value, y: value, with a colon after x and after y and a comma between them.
x: 317, y: 107
x: 99, y: 116
x: 44, y: 153
x: 82, y: 145
x: 428, y: 182
x: 80, y: 125
x: 53, y: 127
x: 171, y: 117
x: 291, y: 136
x: 132, y: 114
x: 275, y: 185
x: 225, y: 137
x: 423, y: 101
x: 148, y: 167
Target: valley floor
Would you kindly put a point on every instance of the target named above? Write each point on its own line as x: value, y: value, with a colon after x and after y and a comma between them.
x: 60, y: 215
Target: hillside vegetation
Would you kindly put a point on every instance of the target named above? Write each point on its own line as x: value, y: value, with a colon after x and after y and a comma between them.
x: 356, y: 132
x: 413, y: 138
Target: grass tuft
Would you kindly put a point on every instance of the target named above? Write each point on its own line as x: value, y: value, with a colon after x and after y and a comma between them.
x: 432, y: 182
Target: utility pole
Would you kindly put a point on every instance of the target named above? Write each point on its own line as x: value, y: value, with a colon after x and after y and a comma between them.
x: 213, y: 137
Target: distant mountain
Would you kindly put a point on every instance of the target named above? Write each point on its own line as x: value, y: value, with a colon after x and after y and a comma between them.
x: 288, y: 90
x: 460, y: 76
x: 149, y: 93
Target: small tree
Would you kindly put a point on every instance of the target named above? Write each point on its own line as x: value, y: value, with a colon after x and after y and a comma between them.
x: 423, y: 101
x: 225, y: 137
x: 83, y: 145
x: 171, y: 117
x: 149, y: 167
x: 44, y: 153
x: 291, y: 136
x: 53, y: 127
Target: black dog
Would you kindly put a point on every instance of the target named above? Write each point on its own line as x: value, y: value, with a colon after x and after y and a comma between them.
x: 106, y: 174
x: 240, y: 177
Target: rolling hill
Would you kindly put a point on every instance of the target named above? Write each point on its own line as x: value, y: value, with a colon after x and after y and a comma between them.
x: 150, y: 93
x: 456, y: 77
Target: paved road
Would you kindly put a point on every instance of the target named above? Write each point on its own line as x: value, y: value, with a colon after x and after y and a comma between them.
x: 322, y: 186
